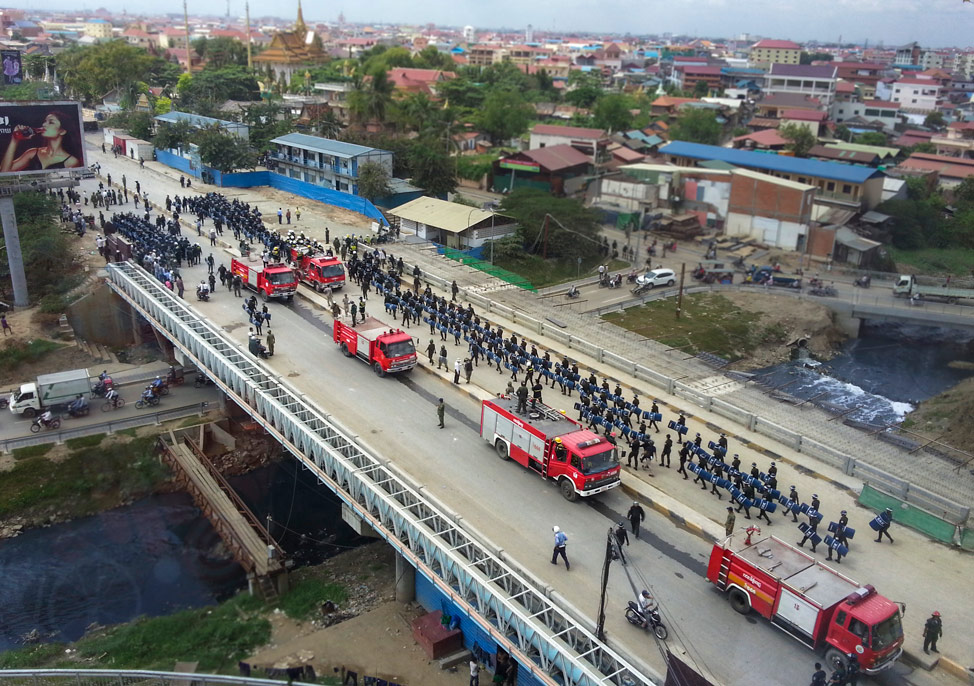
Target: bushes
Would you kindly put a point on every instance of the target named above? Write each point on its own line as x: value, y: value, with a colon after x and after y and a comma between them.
x: 16, y: 353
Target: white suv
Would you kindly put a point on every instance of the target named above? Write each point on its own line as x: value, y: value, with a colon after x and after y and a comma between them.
x: 657, y: 277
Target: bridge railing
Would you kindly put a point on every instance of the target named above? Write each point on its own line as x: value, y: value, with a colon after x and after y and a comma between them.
x: 515, y: 612
x: 126, y: 677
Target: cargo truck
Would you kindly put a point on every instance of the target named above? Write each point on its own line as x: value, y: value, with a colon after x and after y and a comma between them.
x: 811, y: 602
x: 49, y: 392
x: 908, y: 286
x: 552, y: 445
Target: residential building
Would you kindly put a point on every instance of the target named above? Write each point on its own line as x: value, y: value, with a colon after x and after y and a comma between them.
x: 840, y: 183
x: 336, y: 97
x: 912, y: 137
x: 772, y: 105
x: 592, y: 142
x: 687, y: 77
x: 908, y: 54
x: 140, y: 38
x: 325, y: 162
x: 810, y: 120
x: 863, y: 74
x: 766, y: 52
x: 408, y: 80
x: 886, y: 113
x: 772, y: 210
x: 885, y: 154
x: 451, y: 224
x: 765, y: 139
x: 485, y: 55
x: 956, y: 141
x: 951, y: 171
x: 173, y: 37
x: 291, y: 53
x: 827, y: 154
x: 99, y: 29
x: 815, y: 81
x: 667, y: 105
x: 558, y: 169
x: 916, y: 95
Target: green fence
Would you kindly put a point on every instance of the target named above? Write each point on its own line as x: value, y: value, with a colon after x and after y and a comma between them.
x: 488, y: 268
x: 906, y: 514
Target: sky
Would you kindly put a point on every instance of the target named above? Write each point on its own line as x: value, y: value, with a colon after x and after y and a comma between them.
x: 932, y: 23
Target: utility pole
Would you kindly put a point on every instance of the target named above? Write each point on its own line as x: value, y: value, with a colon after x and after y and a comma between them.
x: 250, y: 65
x: 679, y: 298
x: 189, y: 59
x: 600, y: 623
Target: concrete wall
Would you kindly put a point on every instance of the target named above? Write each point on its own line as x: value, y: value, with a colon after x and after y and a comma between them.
x: 773, y: 232
x: 102, y: 317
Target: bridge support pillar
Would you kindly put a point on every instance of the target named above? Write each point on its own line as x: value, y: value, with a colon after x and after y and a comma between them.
x: 848, y: 323
x: 405, y: 580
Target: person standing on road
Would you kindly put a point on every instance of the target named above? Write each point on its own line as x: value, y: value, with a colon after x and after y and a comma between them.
x: 561, y: 540
x: 635, y: 516
x: 622, y: 536
x: 887, y: 518
x: 280, y: 215
x: 457, y: 368
x: 442, y: 361
x: 237, y: 284
x: 932, y: 631
x: 634, y: 445
x: 180, y: 288
x: 440, y: 411
x: 665, y: 455
x: 819, y: 676
x: 730, y: 521
x: 270, y: 342
x: 468, y: 369
x: 522, y: 399
x: 474, y: 672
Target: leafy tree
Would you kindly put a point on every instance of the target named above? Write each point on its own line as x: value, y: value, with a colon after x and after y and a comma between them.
x: 388, y: 58
x: 504, y: 115
x: 934, y: 120
x: 42, y: 243
x: 584, y: 88
x: 462, y: 92
x: 612, y: 112
x: 224, y: 151
x: 92, y: 71
x: 701, y: 89
x: 417, y: 111
x: 267, y: 121
x: 162, y: 105
x: 843, y: 133
x: 696, y: 125
x: 432, y: 168
x: 809, y: 57
x: 574, y: 234
x: 138, y: 124
x: 370, y: 100
x: 28, y: 90
x: 872, y: 138
x: 373, y: 181
x: 206, y: 90
x: 220, y: 52
x: 801, y: 137
x: 431, y: 58
x: 171, y: 136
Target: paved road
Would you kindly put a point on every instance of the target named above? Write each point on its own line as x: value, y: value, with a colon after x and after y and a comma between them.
x: 396, y: 416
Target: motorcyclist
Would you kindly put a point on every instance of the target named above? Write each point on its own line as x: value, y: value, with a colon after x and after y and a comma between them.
x: 157, y: 385
x: 113, y: 396
x: 79, y: 404
x: 573, y: 291
x: 646, y: 605
x: 203, y: 290
x: 46, y: 418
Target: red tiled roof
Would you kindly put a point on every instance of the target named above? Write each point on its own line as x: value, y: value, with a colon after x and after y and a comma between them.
x: 961, y: 125
x: 567, y: 131
x: 911, y: 137
x: 951, y: 167
x: 777, y: 45
x: 919, y: 82
x: 766, y: 137
x: 882, y: 103
x: 670, y: 101
x: 693, y: 69
x: 627, y: 154
x: 557, y: 157
x: 845, y: 87
x: 803, y: 115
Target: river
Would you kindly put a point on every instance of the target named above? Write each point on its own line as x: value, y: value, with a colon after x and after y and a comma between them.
x: 154, y: 557
x: 881, y: 376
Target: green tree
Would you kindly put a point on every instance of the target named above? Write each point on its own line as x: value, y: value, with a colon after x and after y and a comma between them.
x: 172, y: 136
x: 267, y: 121
x: 432, y: 168
x: 872, y: 138
x: 91, y: 72
x: 843, y: 133
x: 373, y: 181
x: 462, y: 92
x: 417, y: 111
x: 696, y: 125
x: 584, y: 88
x: 224, y: 151
x: 220, y: 52
x: 138, y: 124
x: 701, y: 89
x: 431, y: 58
x: 42, y: 244
x: 386, y: 59
x: 809, y: 57
x: 204, y: 91
x: 934, y: 120
x: 162, y: 105
x: 613, y: 112
x: 504, y: 115
x: 801, y: 138
x: 372, y: 98
x: 574, y: 234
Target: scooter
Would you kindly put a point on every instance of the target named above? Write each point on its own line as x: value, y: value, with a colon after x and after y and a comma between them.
x: 862, y: 282
x: 76, y: 411
x: 632, y: 276
x: 572, y: 293
x: 202, y: 380
x: 39, y: 423
x: 148, y: 398
x: 104, y: 385
x: 175, y: 377
x: 202, y: 295
x: 637, y: 618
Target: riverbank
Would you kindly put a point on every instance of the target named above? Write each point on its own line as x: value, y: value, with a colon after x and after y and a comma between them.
x: 363, y: 629
x: 946, y: 417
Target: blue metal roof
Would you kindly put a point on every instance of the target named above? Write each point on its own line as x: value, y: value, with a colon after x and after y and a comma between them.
x: 198, y: 120
x: 325, y: 145
x: 836, y: 171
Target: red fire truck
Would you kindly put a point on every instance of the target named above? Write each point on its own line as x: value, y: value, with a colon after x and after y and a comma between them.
x: 811, y: 602
x: 277, y: 281
x: 386, y: 350
x: 544, y: 440
x: 318, y: 271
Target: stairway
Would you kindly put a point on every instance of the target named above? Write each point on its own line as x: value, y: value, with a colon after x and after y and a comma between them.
x: 268, y: 589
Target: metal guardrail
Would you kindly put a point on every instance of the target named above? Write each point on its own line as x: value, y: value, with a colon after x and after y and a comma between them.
x: 110, y: 427
x: 511, y: 608
x: 127, y: 677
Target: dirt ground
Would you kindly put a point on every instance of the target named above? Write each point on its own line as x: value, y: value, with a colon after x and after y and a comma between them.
x: 376, y: 642
x: 945, y: 417
x: 800, y: 318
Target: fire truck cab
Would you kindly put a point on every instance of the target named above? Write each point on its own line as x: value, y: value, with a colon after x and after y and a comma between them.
x: 808, y: 600
x: 318, y: 271
x: 554, y: 446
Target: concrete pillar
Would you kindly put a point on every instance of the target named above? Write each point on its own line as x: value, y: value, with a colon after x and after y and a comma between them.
x: 136, y: 328
x: 15, y: 258
x: 405, y: 580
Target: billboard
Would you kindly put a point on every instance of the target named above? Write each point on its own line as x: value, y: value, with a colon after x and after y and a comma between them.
x: 40, y: 137
x: 519, y: 165
x: 12, y: 74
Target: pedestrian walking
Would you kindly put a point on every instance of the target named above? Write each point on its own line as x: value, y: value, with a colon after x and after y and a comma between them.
x: 730, y: 521
x: 887, y: 519
x: 288, y: 215
x: 237, y: 284
x: 636, y: 515
x: 258, y: 322
x: 442, y: 361
x: 474, y: 673
x: 180, y: 287
x: 819, y: 676
x: 431, y: 350
x: 561, y: 540
x: 440, y: 411
x: 468, y: 369
x: 457, y: 368
x: 270, y: 341
x: 932, y: 630
x: 6, y: 326
x: 622, y: 537
x: 454, y: 289
x: 665, y: 455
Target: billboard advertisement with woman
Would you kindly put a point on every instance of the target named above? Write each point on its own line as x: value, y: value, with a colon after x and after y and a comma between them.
x: 39, y: 137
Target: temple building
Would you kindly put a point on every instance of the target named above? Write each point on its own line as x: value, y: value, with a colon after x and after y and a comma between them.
x: 291, y: 52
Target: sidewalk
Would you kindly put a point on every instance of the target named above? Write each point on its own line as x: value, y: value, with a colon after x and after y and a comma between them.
x: 944, y: 571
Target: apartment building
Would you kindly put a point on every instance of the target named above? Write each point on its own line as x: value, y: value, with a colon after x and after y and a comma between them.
x: 325, y: 162
x: 815, y: 81
x: 764, y: 53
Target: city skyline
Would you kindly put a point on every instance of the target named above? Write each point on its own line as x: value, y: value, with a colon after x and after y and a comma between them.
x: 941, y: 23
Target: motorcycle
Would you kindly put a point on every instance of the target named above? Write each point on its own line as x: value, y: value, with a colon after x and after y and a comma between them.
x: 615, y: 281
x: 148, y: 398
x: 826, y: 291
x: 37, y: 424
x: 202, y: 380
x: 104, y: 385
x: 175, y: 377
x: 641, y: 287
x: 202, y: 295
x: 862, y: 282
x: 79, y: 411
x: 632, y: 276
x: 572, y: 293
x: 636, y: 618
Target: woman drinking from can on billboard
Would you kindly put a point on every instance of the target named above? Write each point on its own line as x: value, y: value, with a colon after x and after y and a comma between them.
x: 52, y: 143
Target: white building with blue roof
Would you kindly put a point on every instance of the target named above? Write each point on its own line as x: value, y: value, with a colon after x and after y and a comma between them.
x: 325, y: 162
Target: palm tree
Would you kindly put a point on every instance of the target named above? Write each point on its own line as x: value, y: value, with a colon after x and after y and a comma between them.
x: 372, y: 97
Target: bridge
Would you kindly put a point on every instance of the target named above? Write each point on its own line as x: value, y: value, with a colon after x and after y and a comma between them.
x: 546, y: 639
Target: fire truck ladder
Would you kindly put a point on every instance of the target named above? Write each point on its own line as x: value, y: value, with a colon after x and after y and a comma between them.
x: 544, y: 637
x: 725, y: 560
